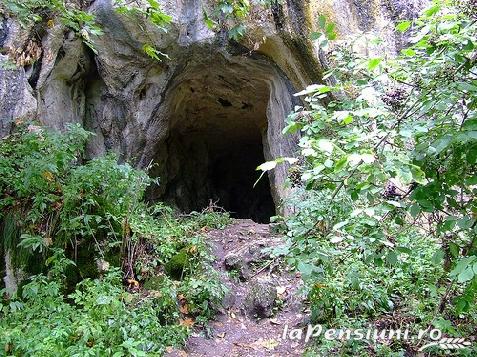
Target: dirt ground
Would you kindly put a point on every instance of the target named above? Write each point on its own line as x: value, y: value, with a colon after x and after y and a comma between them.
x: 234, y: 332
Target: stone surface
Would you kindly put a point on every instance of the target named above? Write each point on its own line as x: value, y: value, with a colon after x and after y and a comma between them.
x: 260, y: 299
x: 17, y: 100
x: 236, y: 263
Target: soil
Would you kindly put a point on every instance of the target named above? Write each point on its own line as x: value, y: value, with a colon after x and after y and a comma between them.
x: 234, y: 332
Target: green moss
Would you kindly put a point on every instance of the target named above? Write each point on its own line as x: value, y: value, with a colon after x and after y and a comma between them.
x: 175, y: 267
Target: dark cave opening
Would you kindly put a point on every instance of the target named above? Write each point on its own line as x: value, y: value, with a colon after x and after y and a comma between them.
x: 232, y: 177
x: 217, y: 133
x: 204, y: 168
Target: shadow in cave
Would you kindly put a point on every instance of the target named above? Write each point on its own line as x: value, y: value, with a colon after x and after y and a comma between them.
x: 233, y: 176
x: 219, y: 168
x: 217, y: 129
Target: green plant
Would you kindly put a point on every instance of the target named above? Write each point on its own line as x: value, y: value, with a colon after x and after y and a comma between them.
x: 385, y: 195
x: 150, y: 10
x: 104, y: 319
x: 229, y: 14
x: 80, y: 229
x: 70, y: 14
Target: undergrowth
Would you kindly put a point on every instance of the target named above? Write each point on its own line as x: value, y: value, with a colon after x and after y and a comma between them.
x: 384, y: 186
x: 101, y: 271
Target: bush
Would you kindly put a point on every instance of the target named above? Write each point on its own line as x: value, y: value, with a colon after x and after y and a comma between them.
x: 83, y: 233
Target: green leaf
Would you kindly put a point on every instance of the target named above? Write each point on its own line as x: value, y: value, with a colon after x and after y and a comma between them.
x: 267, y: 166
x: 438, y: 257
x: 403, y: 26
x: 466, y: 275
x: 343, y: 116
x: 414, y: 210
x: 292, y: 127
x: 325, y: 145
x: 237, y: 32
x: 373, y: 63
x: 306, y: 269
x: 341, y: 163
x: 392, y: 258
x: 314, y: 88
x: 270, y: 165
x: 417, y: 174
x: 367, y: 158
x: 322, y: 21
x: 454, y: 249
x: 408, y: 52
x: 315, y: 35
x: 432, y: 10
x: 404, y: 250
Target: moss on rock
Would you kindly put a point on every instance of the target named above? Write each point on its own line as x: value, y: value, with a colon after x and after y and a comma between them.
x: 175, y: 267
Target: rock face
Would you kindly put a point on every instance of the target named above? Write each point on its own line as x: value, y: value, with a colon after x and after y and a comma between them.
x: 209, y: 114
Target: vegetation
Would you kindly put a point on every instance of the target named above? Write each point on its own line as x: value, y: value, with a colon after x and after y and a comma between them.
x: 70, y: 14
x: 384, y: 188
x: 75, y: 17
x: 228, y: 15
x: 82, y: 231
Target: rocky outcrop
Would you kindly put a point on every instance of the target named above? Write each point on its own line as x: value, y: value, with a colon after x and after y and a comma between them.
x: 211, y: 102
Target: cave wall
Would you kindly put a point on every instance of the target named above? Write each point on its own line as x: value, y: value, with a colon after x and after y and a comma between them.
x: 137, y: 105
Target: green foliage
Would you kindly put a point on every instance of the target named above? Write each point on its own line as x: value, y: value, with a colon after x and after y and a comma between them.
x: 385, y: 196
x: 104, y: 320
x: 327, y: 32
x: 81, y: 22
x: 153, y: 52
x: 72, y: 15
x: 229, y: 14
x: 150, y: 10
x: 42, y: 181
x: 65, y: 216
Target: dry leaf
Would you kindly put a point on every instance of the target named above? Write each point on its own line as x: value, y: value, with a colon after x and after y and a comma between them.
x: 281, y: 290
x: 133, y: 282
x: 188, y: 322
x: 184, y: 309
x: 155, y: 293
x: 232, y: 315
x: 274, y: 321
x: 47, y: 175
x: 221, y: 335
x: 47, y: 241
x: 267, y: 344
x: 192, y: 249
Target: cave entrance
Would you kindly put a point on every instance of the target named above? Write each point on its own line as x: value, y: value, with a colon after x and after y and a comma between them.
x: 217, y: 138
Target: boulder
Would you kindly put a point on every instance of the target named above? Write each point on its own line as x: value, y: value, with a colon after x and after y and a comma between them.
x: 260, y: 299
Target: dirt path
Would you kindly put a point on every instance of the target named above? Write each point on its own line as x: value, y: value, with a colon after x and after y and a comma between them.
x: 238, y: 330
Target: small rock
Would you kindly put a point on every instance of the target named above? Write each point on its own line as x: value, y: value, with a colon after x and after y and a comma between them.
x: 228, y: 301
x: 258, y: 253
x: 261, y: 299
x: 234, y: 262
